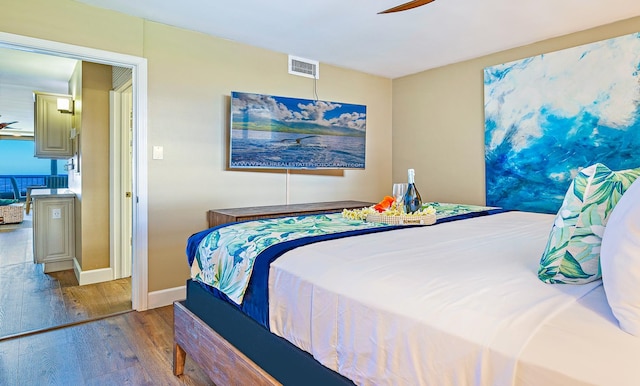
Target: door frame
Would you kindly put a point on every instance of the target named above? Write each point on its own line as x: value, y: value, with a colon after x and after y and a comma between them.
x: 139, y: 274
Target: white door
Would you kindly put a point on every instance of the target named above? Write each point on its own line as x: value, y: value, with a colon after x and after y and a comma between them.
x: 121, y: 180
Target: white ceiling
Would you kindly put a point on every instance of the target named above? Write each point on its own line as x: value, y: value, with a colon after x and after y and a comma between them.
x: 29, y: 67
x: 345, y: 33
x: 351, y: 33
x: 22, y: 73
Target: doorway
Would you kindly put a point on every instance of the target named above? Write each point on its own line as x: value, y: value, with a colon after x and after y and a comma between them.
x: 138, y: 95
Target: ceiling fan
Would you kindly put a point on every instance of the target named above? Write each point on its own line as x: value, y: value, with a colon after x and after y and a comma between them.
x: 5, y: 125
x: 406, y: 6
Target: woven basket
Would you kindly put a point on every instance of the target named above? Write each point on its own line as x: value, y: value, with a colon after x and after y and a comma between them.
x: 407, y: 219
x: 12, y: 213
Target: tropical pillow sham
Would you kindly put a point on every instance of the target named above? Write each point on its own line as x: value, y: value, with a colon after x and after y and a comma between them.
x: 572, y: 254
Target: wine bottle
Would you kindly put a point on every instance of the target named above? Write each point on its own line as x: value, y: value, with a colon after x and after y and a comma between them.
x: 412, y: 199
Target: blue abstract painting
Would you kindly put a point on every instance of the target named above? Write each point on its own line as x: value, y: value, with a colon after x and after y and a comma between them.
x: 548, y: 116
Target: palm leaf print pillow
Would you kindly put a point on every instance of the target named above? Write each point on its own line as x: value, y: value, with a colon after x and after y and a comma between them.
x: 572, y: 254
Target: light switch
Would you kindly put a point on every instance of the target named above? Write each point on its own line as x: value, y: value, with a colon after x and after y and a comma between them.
x: 158, y: 152
x: 56, y: 213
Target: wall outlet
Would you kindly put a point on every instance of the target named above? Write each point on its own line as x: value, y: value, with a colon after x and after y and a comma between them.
x: 56, y: 213
x: 157, y: 152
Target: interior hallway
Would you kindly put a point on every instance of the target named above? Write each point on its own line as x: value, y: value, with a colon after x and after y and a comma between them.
x: 32, y: 300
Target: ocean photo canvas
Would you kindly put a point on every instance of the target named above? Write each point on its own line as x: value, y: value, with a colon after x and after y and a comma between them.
x: 549, y: 116
x: 275, y: 132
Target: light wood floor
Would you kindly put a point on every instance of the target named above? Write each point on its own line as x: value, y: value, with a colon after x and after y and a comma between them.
x: 32, y: 300
x: 134, y: 348
x: 130, y: 349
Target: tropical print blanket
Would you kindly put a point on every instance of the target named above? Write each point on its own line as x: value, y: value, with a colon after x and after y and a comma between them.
x: 225, y: 258
x: 451, y: 211
x: 226, y: 255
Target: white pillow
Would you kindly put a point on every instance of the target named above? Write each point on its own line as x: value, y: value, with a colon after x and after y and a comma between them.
x: 620, y: 260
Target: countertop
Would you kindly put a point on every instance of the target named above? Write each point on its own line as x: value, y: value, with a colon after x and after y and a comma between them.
x: 51, y: 193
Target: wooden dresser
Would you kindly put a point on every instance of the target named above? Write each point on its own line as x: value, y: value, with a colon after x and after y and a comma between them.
x: 223, y: 216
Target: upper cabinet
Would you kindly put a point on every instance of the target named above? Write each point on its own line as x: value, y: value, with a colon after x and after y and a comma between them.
x: 52, y: 132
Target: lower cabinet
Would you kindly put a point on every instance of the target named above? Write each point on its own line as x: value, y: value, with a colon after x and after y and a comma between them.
x: 54, y: 232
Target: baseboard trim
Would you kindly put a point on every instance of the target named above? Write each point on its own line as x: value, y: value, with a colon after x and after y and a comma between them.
x: 166, y: 297
x: 57, y: 266
x: 93, y: 276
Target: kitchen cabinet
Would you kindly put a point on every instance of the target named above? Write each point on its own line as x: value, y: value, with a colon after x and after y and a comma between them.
x: 53, y: 228
x: 52, y: 128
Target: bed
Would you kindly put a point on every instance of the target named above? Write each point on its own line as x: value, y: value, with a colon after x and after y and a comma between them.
x: 454, y: 303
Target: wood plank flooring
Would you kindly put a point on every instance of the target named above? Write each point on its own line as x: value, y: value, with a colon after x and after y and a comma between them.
x: 31, y: 300
x: 134, y: 348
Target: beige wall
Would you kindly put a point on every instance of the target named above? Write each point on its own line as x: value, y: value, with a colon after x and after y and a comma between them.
x: 94, y: 165
x: 191, y: 76
x: 190, y: 79
x: 438, y: 118
x: 72, y: 22
x: 90, y: 85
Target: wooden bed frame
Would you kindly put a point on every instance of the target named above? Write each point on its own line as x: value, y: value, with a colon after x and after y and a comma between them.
x: 218, y: 358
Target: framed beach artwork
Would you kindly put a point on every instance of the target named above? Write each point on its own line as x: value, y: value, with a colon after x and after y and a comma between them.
x: 549, y: 116
x: 274, y: 132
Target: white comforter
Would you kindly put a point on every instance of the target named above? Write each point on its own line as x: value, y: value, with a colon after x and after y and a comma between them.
x: 452, y: 304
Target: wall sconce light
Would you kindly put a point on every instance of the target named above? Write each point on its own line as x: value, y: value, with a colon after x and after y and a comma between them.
x: 65, y: 105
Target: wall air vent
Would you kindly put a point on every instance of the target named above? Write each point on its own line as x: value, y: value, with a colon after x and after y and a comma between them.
x: 304, y: 67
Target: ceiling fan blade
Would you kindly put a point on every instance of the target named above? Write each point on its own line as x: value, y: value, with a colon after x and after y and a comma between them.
x: 406, y: 6
x: 5, y: 125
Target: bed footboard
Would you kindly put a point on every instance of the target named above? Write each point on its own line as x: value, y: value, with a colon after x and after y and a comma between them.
x: 222, y: 362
